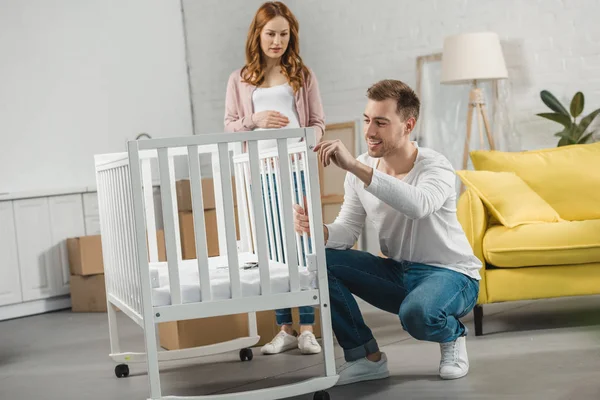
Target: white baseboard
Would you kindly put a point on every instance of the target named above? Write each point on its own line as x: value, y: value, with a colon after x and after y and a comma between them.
x: 34, y: 307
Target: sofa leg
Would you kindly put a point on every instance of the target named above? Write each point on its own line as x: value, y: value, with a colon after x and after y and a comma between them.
x: 478, y: 313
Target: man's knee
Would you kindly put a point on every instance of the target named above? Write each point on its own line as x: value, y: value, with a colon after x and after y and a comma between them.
x: 335, y: 258
x: 419, y: 320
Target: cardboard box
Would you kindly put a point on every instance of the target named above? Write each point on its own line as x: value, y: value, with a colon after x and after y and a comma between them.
x: 184, y: 194
x: 85, y: 255
x: 188, y: 238
x: 206, y: 331
x: 160, y: 244
x: 88, y: 293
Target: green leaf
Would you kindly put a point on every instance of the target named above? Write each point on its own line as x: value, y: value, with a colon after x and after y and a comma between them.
x: 564, y: 142
x: 564, y: 134
x: 585, y: 138
x: 577, y: 104
x: 586, y: 121
x: 552, y: 102
x: 560, y: 118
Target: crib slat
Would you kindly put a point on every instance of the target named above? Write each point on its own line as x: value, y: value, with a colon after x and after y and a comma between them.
x: 127, y: 245
x: 217, y: 177
x: 175, y: 209
x: 199, y: 223
x: 276, y: 211
x: 296, y: 200
x: 131, y: 246
x: 169, y: 225
x: 117, y: 236
x: 303, y: 244
x: 248, y: 189
x: 288, y: 213
x: 107, y: 232
x: 229, y: 219
x: 149, y: 203
x: 259, y: 219
x: 266, y: 201
x: 122, y: 243
x: 245, y: 235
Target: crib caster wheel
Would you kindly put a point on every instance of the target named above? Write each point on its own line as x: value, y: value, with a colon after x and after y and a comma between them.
x: 122, y: 371
x: 321, y: 395
x: 246, y: 354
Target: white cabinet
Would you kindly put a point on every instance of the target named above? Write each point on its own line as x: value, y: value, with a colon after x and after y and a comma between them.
x: 10, y: 280
x: 34, y: 239
x: 91, y: 213
x: 42, y: 226
x: 66, y: 221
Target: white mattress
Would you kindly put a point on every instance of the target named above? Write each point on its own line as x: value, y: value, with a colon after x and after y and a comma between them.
x: 219, y: 279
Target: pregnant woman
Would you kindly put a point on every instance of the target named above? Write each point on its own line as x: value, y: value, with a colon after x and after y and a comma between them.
x: 276, y: 90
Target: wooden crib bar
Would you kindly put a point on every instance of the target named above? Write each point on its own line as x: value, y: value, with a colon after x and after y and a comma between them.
x: 169, y: 208
x: 229, y: 219
x: 287, y: 213
x: 199, y: 223
x: 259, y: 218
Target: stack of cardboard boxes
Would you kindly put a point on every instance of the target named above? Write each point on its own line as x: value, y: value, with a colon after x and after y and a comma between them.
x: 88, y: 292
x: 87, y: 274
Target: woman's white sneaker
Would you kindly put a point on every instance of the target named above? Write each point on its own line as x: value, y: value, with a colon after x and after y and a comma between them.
x: 281, y: 342
x: 307, y: 343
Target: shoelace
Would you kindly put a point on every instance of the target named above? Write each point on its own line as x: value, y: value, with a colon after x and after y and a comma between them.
x: 312, y: 340
x: 278, y: 339
x: 449, y: 353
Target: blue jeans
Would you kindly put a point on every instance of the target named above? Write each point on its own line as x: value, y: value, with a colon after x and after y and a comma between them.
x: 428, y: 300
x: 284, y: 316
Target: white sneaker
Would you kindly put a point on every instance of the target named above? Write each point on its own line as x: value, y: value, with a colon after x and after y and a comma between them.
x: 363, y: 370
x: 454, y: 363
x: 281, y: 342
x: 307, y: 343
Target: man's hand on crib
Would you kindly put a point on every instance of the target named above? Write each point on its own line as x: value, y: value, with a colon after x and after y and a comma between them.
x: 301, y: 222
x: 335, y: 151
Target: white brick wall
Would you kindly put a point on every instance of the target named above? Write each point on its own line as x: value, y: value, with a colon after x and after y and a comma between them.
x: 548, y: 44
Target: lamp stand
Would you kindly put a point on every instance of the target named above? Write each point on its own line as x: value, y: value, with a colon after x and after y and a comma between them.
x: 477, y: 105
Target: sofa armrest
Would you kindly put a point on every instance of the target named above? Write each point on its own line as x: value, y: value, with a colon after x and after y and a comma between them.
x: 473, y: 217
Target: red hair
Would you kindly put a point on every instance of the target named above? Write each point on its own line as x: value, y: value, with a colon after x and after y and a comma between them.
x: 291, y: 63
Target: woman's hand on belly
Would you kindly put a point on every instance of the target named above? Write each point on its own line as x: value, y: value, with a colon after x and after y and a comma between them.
x: 270, y: 119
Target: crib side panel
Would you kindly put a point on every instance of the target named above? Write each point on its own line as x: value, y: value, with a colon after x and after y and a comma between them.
x: 117, y: 225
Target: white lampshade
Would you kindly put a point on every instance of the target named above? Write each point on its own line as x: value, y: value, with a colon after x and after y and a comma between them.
x: 472, y: 56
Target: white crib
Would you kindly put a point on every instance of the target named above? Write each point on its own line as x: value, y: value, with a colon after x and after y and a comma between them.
x: 271, y: 272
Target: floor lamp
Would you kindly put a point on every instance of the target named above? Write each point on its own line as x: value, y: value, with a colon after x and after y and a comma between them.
x: 468, y: 59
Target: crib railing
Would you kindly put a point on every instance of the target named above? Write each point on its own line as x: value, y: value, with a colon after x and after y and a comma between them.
x: 266, y: 227
x: 121, y: 272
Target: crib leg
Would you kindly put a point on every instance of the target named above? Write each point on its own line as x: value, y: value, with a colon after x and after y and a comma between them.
x: 113, y: 330
x: 152, y: 358
x: 252, y: 327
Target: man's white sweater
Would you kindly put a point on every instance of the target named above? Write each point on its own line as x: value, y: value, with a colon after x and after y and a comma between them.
x: 415, y: 217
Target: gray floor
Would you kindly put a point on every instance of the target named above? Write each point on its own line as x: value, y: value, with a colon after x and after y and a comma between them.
x: 531, y: 350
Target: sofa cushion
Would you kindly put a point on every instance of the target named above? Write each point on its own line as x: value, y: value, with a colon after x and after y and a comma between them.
x: 558, y: 243
x: 508, y: 198
x: 567, y: 177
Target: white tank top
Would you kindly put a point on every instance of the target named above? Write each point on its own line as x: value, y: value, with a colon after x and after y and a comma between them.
x: 276, y: 98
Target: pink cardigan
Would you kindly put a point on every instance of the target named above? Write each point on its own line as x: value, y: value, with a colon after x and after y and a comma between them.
x: 239, y: 107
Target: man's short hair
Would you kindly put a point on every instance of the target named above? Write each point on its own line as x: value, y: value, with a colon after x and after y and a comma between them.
x: 407, y: 101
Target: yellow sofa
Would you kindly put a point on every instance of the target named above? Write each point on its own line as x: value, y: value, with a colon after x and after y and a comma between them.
x: 533, y: 219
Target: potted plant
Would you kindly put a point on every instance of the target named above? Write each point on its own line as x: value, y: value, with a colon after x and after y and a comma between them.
x: 573, y: 132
